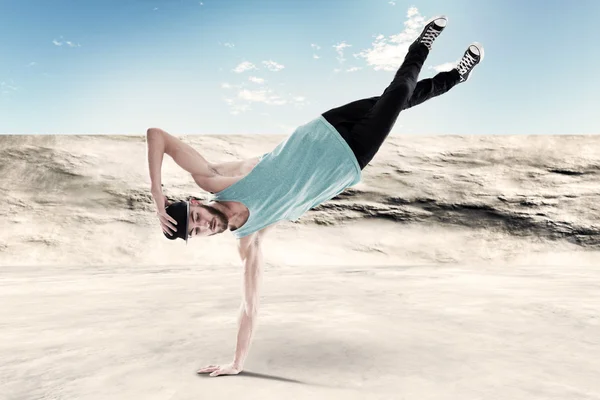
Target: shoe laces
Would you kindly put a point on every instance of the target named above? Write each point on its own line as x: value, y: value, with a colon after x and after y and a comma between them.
x: 430, y: 36
x: 467, y: 63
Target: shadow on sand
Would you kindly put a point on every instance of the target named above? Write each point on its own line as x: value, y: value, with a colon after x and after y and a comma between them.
x: 269, y: 377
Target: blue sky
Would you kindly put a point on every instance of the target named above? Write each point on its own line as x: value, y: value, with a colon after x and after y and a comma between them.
x: 265, y: 67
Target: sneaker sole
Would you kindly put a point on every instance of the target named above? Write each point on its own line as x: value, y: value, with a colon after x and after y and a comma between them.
x: 430, y: 20
x: 480, y: 48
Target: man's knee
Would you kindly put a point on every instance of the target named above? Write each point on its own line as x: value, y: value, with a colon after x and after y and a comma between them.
x: 401, y: 89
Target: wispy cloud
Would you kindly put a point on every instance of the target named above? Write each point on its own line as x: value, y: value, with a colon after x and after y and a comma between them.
x: 353, y: 69
x: 67, y: 42
x: 388, y: 53
x: 256, y: 80
x: 230, y: 45
x: 273, y: 66
x: 392, y: 3
x: 7, y: 88
x: 444, y: 67
x: 31, y: 64
x: 261, y: 96
x: 235, y: 107
x: 244, y: 98
x: 244, y: 66
x: 316, y: 47
x: 339, y: 48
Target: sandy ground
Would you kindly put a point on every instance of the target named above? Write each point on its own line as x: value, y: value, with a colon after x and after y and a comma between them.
x: 459, y: 268
x: 372, y: 332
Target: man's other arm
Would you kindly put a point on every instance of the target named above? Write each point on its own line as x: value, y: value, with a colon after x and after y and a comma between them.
x: 160, y: 142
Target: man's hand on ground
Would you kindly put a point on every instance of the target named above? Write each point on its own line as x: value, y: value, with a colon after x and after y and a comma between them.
x: 216, y: 370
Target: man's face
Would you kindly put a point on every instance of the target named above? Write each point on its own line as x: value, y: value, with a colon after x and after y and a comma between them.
x: 205, y: 220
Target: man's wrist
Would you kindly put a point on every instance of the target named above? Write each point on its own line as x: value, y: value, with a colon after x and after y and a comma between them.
x: 156, y: 188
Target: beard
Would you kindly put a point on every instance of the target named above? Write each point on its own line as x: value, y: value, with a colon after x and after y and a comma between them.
x: 221, y: 217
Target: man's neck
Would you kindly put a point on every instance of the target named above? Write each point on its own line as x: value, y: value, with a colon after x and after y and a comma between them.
x: 233, y: 210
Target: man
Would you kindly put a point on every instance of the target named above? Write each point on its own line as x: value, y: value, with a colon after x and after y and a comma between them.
x: 317, y: 162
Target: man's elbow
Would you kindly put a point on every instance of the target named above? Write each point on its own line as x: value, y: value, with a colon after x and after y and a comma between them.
x: 153, y: 132
x: 251, y: 308
x: 155, y: 137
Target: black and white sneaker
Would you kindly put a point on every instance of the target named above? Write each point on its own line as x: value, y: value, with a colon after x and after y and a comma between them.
x: 471, y: 58
x: 432, y: 30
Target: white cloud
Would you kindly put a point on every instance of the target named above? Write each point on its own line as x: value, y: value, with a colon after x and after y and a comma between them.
x: 256, y: 80
x: 155, y: 8
x: 31, y: 64
x: 230, y: 45
x: 201, y: 3
x: 387, y: 54
x: 244, y: 66
x: 337, y: 70
x: 245, y: 97
x: 273, y: 66
x: 68, y: 43
x: 353, y: 69
x: 226, y: 85
x: 444, y: 67
x: 235, y: 107
x: 261, y: 96
x: 392, y: 3
x: 316, y: 47
x: 299, y: 101
x: 8, y: 88
x: 412, y: 12
x: 339, y: 48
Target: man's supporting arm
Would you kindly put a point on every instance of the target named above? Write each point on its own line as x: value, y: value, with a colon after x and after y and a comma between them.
x: 253, y: 263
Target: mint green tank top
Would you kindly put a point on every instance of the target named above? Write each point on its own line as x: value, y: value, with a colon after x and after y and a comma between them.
x: 314, y: 164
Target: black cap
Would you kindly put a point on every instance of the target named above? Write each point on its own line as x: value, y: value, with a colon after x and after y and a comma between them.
x: 179, y: 211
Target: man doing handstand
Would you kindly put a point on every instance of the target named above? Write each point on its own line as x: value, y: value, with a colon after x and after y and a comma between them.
x: 315, y: 163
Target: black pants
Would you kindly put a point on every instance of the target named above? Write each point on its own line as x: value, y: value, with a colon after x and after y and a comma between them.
x: 366, y: 123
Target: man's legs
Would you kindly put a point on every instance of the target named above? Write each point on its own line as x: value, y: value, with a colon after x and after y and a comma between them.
x: 368, y: 133
x: 344, y: 117
x: 432, y: 87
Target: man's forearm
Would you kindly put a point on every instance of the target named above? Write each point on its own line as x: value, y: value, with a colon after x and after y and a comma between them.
x: 246, y: 325
x: 156, y: 151
x: 253, y: 261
